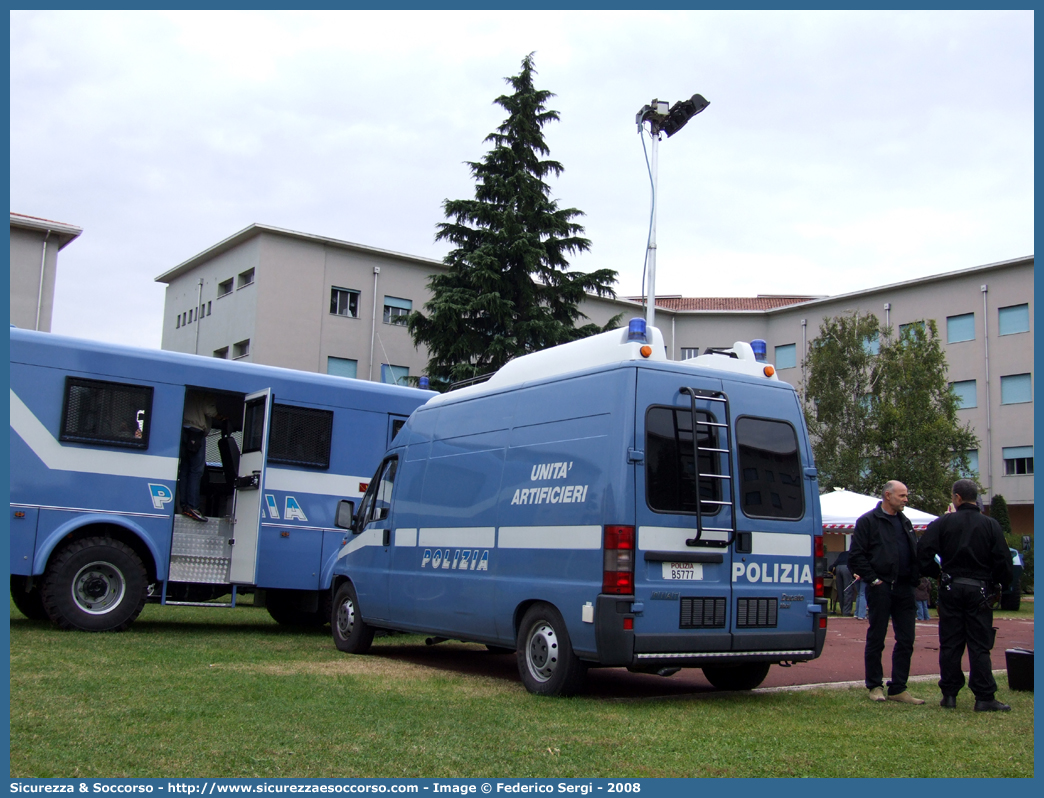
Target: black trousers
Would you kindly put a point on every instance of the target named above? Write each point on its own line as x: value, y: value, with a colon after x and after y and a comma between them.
x: 845, y: 591
x: 965, y: 618
x: 883, y: 602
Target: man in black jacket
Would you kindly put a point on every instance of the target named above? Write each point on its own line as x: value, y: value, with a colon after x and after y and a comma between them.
x: 884, y: 555
x: 974, y: 557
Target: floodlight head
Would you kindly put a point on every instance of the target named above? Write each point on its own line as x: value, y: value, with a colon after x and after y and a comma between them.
x: 682, y: 112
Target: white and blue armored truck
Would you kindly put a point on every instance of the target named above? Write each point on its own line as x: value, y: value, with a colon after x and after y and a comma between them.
x: 96, y: 433
x: 595, y: 504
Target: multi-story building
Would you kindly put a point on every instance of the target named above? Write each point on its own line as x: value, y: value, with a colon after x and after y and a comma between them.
x: 299, y: 301
x: 318, y: 304
x: 35, y: 244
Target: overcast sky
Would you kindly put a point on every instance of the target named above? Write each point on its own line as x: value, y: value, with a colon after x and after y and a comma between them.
x: 841, y: 150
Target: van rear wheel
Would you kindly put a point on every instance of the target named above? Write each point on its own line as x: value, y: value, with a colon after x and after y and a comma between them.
x: 95, y: 585
x: 745, y: 676
x: 351, y: 633
x: 546, y: 660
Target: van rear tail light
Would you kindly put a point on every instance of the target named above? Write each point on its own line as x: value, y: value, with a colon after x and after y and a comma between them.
x: 618, y: 560
x: 820, y: 567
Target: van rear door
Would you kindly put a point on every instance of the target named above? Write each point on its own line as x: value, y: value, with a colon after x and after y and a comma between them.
x: 684, y: 514
x: 773, y: 575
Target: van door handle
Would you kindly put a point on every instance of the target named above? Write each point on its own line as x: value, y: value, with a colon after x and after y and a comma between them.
x: 387, y: 537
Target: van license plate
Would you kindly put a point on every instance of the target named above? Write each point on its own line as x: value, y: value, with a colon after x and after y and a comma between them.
x: 682, y: 570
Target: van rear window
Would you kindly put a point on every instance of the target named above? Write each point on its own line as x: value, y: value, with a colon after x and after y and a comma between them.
x: 106, y: 413
x: 671, y: 466
x: 770, y: 469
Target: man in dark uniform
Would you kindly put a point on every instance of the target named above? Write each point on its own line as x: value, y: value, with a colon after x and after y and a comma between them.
x: 884, y: 555
x: 974, y: 557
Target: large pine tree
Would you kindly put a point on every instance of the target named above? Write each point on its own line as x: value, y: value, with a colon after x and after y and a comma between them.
x: 506, y: 291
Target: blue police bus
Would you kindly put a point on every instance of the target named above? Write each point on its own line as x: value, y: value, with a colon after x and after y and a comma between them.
x: 96, y: 527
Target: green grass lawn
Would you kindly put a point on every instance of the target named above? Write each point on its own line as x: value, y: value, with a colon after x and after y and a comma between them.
x: 192, y: 692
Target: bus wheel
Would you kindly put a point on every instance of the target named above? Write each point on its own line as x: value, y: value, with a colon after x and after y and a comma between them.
x: 546, y: 660
x: 350, y: 632
x: 285, y: 610
x: 746, y: 676
x: 95, y: 585
x: 30, y: 604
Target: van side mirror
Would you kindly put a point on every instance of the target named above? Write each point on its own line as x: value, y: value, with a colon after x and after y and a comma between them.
x: 345, y: 514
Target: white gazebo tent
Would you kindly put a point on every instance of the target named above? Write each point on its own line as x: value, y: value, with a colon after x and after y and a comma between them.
x: 841, y: 508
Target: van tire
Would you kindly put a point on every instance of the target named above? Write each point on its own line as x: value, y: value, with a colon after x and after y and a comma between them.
x: 351, y: 633
x: 30, y: 603
x: 745, y: 676
x: 95, y: 585
x: 546, y: 661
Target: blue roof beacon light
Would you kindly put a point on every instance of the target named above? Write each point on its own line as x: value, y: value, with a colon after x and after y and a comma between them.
x: 424, y: 383
x: 760, y: 350
x: 636, y: 330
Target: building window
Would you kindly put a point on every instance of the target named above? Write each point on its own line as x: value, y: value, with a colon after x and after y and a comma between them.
x: 224, y: 288
x: 913, y: 327
x: 965, y: 390
x: 1013, y: 319
x: 245, y: 278
x: 106, y: 413
x: 344, y: 302
x: 1016, y: 389
x: 689, y: 352
x: 342, y: 367
x: 208, y: 308
x: 1018, y: 460
x: 973, y: 464
x: 395, y: 375
x: 396, y: 310
x: 221, y: 353
x: 786, y: 356
x: 960, y: 328
x: 242, y: 349
x: 872, y: 345
x: 177, y: 322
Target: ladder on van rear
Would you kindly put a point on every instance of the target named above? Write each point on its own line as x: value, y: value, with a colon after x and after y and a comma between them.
x: 725, y: 478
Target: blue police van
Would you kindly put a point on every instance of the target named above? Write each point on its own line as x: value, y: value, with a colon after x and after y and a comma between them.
x: 95, y: 527
x: 595, y: 504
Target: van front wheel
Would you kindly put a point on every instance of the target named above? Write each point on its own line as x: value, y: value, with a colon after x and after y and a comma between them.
x: 546, y: 661
x: 351, y: 633
x: 746, y: 676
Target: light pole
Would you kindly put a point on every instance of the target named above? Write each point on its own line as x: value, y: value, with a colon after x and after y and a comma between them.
x: 669, y: 121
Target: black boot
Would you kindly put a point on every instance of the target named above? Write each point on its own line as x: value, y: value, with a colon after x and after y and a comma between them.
x: 948, y: 702
x: 993, y: 705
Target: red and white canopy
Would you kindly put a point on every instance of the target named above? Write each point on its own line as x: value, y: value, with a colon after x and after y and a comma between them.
x: 841, y: 508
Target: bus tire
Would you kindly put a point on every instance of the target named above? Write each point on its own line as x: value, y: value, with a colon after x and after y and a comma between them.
x: 546, y: 661
x: 745, y: 676
x: 285, y: 610
x: 30, y: 603
x: 351, y: 633
x: 95, y: 585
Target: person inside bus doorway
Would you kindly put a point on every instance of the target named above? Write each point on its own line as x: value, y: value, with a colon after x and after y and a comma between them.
x: 884, y: 554
x: 200, y: 411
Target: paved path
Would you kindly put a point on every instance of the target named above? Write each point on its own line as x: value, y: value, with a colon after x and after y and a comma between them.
x: 841, y: 662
